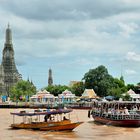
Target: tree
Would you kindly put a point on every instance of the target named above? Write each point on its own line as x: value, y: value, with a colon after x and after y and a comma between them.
x: 131, y: 86
x: 78, y: 88
x: 116, y: 92
x: 21, y: 89
x: 122, y: 79
x: 118, y: 88
x: 126, y: 97
x: 118, y: 83
x: 137, y: 88
x: 56, y: 89
x: 99, y: 80
x: 138, y: 83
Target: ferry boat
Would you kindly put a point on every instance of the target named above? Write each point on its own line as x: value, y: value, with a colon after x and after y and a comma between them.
x: 52, y: 122
x: 117, y: 113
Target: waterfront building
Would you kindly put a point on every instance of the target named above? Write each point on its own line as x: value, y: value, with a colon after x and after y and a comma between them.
x: 9, y: 74
x: 89, y: 94
x: 66, y: 97
x: 43, y: 97
x: 50, y: 79
x: 133, y: 95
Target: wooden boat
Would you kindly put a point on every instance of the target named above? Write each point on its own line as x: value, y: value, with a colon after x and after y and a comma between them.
x: 117, y: 122
x: 38, y: 125
x: 111, y: 113
x: 61, y: 127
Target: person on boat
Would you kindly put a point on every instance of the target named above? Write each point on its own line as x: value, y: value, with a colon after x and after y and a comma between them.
x: 64, y: 118
x: 112, y: 111
x: 46, y: 118
x: 126, y: 111
x: 109, y: 111
x: 121, y: 110
x: 135, y: 108
x: 116, y: 111
x: 65, y: 107
x: 51, y: 117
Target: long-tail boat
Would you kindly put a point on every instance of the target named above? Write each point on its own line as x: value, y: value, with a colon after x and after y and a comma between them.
x: 124, y: 113
x: 51, y: 120
x: 61, y: 127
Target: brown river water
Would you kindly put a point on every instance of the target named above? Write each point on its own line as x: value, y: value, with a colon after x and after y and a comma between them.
x: 86, y: 131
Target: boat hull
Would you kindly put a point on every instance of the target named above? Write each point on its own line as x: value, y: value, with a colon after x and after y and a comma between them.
x: 125, y: 123
x: 63, y: 127
x: 38, y: 125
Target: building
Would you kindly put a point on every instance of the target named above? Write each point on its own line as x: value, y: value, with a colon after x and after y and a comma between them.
x: 66, y: 97
x: 133, y: 95
x: 9, y: 75
x: 50, y: 79
x: 72, y: 83
x: 43, y: 97
x: 89, y: 93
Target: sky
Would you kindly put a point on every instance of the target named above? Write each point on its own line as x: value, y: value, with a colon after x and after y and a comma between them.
x: 71, y: 37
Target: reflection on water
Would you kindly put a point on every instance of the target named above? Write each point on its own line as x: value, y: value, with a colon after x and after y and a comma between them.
x: 87, y: 131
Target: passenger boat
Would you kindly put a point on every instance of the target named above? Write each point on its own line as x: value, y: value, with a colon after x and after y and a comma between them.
x: 117, y: 113
x: 61, y: 127
x: 53, y: 120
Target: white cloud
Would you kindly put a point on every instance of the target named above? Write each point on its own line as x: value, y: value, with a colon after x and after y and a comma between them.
x: 78, y: 33
x: 132, y: 56
x: 128, y: 29
x: 131, y: 2
x: 130, y: 72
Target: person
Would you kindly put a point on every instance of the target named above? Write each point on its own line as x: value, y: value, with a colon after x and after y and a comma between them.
x: 121, y: 111
x: 89, y: 114
x: 46, y: 118
x: 64, y: 118
x: 135, y: 108
x: 126, y: 111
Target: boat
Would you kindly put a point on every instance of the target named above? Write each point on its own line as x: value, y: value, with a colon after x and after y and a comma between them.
x: 80, y: 105
x: 52, y: 120
x: 61, y: 127
x: 116, y: 113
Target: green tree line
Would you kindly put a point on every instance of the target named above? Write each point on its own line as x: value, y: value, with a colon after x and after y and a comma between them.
x: 98, y: 79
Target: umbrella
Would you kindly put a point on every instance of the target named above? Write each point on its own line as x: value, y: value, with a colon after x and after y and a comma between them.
x: 109, y: 97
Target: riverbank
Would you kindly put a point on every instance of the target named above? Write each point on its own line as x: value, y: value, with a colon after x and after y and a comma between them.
x: 13, y: 106
x: 30, y: 105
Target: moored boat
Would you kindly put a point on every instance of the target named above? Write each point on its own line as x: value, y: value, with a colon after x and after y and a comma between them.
x: 117, y: 113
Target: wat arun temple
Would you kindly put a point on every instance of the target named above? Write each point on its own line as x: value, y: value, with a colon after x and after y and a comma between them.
x: 9, y: 74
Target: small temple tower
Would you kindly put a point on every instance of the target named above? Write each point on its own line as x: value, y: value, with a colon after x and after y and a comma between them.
x: 50, y: 79
x: 11, y: 75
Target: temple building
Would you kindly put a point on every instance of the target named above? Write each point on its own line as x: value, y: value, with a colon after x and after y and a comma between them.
x: 50, y: 79
x: 9, y: 74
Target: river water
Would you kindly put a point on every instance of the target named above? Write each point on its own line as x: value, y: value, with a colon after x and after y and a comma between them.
x: 86, y: 131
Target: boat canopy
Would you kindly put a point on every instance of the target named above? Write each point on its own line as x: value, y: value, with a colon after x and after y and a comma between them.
x: 54, y: 112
